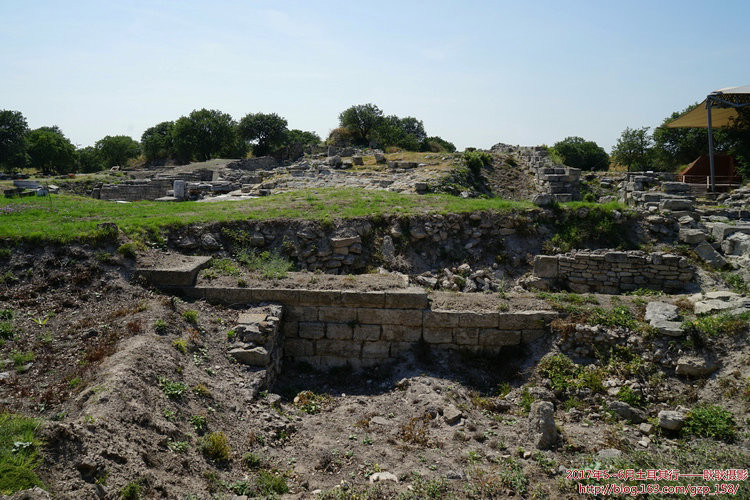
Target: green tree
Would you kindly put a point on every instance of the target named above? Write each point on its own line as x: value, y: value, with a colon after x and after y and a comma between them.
x: 89, y: 160
x: 437, y: 144
x: 633, y: 148
x: 157, y: 142
x: 117, y: 150
x: 13, y: 131
x: 206, y: 134
x: 50, y: 151
x: 406, y: 133
x: 296, y: 136
x: 265, y: 131
x: 361, y: 120
x: 579, y: 153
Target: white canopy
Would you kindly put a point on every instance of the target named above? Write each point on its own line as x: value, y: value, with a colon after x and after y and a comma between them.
x: 723, y: 109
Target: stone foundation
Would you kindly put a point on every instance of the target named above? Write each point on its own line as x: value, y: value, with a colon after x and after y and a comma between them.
x: 335, y: 328
x: 614, y: 272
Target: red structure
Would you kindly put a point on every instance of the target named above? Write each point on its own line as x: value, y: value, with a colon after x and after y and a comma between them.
x: 699, y: 172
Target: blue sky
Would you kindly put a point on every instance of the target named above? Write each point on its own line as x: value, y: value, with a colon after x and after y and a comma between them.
x: 476, y: 73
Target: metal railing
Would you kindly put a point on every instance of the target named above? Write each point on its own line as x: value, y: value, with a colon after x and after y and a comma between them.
x: 724, y: 180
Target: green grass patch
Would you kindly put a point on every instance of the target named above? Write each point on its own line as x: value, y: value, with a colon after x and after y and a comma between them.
x: 269, y: 264
x: 19, y: 455
x: 564, y: 374
x: 711, y: 421
x: 617, y: 316
x: 65, y: 218
x: 721, y: 324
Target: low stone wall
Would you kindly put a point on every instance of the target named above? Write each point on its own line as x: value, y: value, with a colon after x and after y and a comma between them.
x: 614, y: 272
x: 333, y: 328
x: 134, y: 190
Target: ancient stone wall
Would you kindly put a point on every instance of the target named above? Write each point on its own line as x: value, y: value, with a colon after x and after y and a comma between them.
x: 614, y: 272
x: 334, y: 328
x: 563, y: 183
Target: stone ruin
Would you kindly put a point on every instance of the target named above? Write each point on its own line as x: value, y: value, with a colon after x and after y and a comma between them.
x: 612, y: 272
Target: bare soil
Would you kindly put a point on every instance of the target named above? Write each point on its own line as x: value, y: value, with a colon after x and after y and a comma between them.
x: 308, y: 281
x: 103, y: 366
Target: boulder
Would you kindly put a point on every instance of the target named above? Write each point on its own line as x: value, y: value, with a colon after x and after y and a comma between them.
x: 333, y: 161
x: 671, y: 420
x: 661, y: 310
x: 692, y: 236
x: 710, y: 256
x: 695, y: 366
x: 542, y: 424
x: 383, y: 476
x: 675, y: 204
x: 257, y: 356
x: 627, y: 412
x: 452, y: 415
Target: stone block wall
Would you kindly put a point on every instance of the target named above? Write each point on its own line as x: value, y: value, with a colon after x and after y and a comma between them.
x: 614, y: 272
x: 564, y: 183
x: 333, y: 328
x: 134, y: 190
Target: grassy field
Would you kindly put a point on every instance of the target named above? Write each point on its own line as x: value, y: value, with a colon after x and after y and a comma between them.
x: 65, y: 218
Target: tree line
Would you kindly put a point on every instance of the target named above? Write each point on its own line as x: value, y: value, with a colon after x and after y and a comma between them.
x: 666, y: 149
x: 202, y: 135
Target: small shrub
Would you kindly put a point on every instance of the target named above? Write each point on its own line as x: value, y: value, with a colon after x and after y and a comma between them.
x: 251, y: 460
x: 476, y: 160
x: 269, y: 483
x: 711, y: 421
x: 129, y: 250
x: 191, y: 316
x: 160, y: 326
x: 180, y: 345
x: 6, y: 314
x: 231, y: 335
x: 216, y: 447
x: 173, y: 390
x: 131, y: 491
x: 202, y: 391
x: 7, y: 330
x: 627, y: 395
x: 74, y: 382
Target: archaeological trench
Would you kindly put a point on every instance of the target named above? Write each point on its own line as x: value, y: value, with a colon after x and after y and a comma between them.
x: 460, y: 355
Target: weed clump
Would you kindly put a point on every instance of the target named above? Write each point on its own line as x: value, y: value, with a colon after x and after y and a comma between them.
x: 271, y: 265
x: 216, y: 447
x: 19, y: 456
x: 711, y: 421
x: 131, y: 491
x: 173, y: 390
x: 191, y: 316
x: 564, y: 374
x: 724, y: 324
